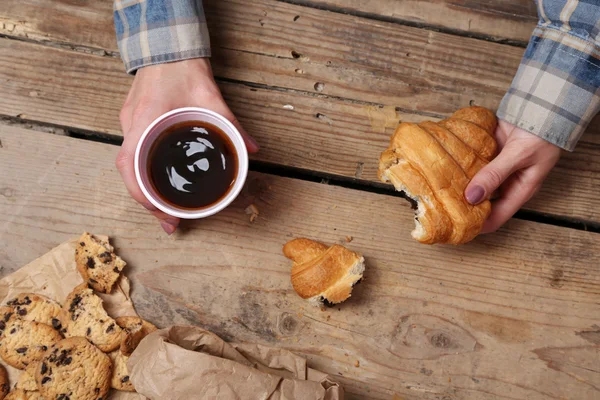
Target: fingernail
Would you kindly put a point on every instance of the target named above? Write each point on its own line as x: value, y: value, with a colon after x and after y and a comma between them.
x: 148, y: 207
x: 171, y: 221
x: 475, y: 194
x: 170, y: 229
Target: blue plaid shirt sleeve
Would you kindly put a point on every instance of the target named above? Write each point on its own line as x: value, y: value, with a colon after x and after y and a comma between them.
x: 159, y: 31
x: 555, y: 92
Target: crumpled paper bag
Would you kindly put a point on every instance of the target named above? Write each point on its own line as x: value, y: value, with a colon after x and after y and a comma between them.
x: 187, y: 362
x: 55, y: 275
x: 180, y: 362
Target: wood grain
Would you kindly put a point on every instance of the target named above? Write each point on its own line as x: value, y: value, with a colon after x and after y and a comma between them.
x: 59, y: 21
x: 498, y: 20
x: 349, y: 57
x: 510, y: 315
x: 323, y: 53
x: 294, y: 129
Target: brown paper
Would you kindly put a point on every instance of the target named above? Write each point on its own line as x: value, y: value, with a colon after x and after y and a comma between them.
x: 187, y: 362
x: 180, y: 362
x: 54, y: 275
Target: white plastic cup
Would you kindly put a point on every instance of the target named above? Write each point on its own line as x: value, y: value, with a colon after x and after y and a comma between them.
x: 163, y: 123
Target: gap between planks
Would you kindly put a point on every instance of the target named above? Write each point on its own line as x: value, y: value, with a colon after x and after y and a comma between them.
x: 302, y: 174
x: 401, y: 21
x: 64, y: 46
x: 104, y: 53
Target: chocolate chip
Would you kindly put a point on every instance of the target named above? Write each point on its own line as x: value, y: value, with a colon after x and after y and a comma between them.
x: 74, y: 304
x: 44, y: 369
x: 91, y: 264
x: 2, y: 325
x: 110, y: 328
x: 22, y: 350
x: 106, y: 257
x: 116, y: 269
x: 62, y: 359
x: 16, y: 302
x: 97, y: 390
x: 82, y: 244
x: 13, y: 330
x: 56, y: 324
x: 125, y: 379
x: 7, y: 316
x: 22, y: 311
x: 93, y: 281
x: 326, y: 302
x: 63, y: 397
x: 46, y: 379
x: 44, y: 348
x: 88, y: 332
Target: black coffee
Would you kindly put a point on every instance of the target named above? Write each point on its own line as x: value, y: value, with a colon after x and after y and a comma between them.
x: 192, y: 165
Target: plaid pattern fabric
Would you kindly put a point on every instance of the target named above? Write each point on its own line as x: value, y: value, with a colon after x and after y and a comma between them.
x: 158, y: 31
x: 556, y: 91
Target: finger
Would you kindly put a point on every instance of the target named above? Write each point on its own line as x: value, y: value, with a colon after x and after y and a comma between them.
x: 167, y: 222
x: 490, y: 177
x: 124, y: 163
x: 222, y: 108
x: 517, y: 192
x: 502, y: 133
x: 251, y: 144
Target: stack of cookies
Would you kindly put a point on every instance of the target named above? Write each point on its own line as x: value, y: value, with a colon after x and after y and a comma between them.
x: 74, y: 350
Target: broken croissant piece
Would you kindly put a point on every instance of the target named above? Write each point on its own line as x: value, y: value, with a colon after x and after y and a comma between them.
x: 432, y: 164
x: 322, y: 274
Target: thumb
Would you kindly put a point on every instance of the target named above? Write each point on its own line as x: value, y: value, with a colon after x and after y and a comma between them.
x: 490, y: 177
x: 124, y: 163
x: 222, y: 108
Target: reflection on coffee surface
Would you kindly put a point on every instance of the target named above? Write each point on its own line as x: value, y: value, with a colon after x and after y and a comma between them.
x: 192, y: 165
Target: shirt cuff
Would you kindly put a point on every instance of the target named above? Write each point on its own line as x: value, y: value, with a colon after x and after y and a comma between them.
x: 157, y: 31
x: 555, y: 92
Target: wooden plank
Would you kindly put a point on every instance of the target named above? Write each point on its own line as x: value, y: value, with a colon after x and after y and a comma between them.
x: 322, y: 134
x: 510, y: 315
x: 58, y: 20
x: 498, y: 20
x: 350, y: 57
x: 360, y: 60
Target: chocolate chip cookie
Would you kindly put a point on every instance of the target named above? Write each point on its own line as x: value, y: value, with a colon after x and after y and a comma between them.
x: 19, y: 394
x: 83, y: 315
x: 97, y: 263
x: 4, y: 385
x: 24, y: 342
x: 120, y: 376
x: 134, y: 330
x: 35, y: 307
x: 74, y: 369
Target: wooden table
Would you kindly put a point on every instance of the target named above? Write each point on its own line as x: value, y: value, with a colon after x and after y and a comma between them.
x: 321, y: 85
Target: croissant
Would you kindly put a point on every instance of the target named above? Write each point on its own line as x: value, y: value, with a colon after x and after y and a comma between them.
x: 432, y: 164
x: 321, y: 274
